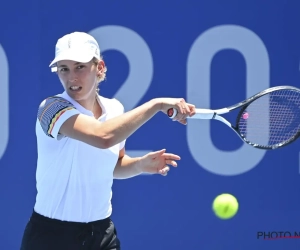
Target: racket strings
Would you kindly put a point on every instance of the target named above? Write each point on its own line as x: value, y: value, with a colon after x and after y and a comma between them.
x: 271, y: 119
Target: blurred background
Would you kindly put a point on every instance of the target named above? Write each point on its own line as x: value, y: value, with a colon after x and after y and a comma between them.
x: 213, y: 53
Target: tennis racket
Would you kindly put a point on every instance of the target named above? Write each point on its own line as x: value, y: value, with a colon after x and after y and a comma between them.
x: 268, y: 120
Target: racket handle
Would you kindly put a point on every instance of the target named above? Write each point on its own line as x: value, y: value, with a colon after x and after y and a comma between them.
x: 172, y: 113
x: 200, y: 113
x: 203, y: 114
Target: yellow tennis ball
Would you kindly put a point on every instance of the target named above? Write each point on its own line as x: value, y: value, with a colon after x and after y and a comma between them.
x: 225, y: 206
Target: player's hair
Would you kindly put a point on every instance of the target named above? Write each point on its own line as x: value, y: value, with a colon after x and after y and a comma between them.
x: 101, y: 77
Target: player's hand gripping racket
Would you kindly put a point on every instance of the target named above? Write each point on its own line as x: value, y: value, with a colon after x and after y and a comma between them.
x: 267, y: 120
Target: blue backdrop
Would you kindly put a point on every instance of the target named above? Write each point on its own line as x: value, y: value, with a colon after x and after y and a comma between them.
x: 213, y: 53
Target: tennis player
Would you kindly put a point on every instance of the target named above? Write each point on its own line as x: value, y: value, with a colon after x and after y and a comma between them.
x: 81, y: 139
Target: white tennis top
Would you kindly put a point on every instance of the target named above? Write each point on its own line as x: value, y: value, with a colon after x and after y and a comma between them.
x: 74, y: 179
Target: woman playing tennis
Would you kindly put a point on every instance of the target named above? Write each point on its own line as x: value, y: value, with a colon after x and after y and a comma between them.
x: 81, y: 148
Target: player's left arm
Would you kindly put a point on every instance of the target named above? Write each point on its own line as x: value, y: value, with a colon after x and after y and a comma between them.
x: 157, y: 162
x: 127, y: 167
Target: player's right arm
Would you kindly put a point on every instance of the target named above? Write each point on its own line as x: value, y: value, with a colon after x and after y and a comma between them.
x: 59, y: 118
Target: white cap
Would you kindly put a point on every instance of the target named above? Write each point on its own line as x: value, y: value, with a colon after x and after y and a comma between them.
x: 76, y: 46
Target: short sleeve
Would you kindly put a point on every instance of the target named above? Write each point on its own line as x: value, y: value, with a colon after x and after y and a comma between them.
x: 52, y: 113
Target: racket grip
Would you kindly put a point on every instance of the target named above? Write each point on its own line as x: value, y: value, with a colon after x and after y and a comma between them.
x: 172, y: 113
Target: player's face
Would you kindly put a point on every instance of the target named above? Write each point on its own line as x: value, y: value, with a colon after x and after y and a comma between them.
x: 79, y: 79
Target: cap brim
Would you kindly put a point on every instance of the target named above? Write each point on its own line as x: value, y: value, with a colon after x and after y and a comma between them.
x: 73, y: 55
